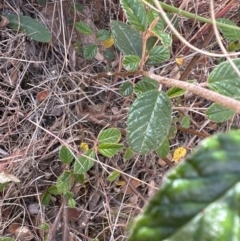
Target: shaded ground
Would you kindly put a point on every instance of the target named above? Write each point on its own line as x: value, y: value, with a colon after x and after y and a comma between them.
x: 49, y: 95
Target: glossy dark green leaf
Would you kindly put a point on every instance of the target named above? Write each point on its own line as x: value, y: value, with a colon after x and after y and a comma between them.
x: 127, y: 39
x: 136, y: 13
x: 148, y: 121
x: 224, y: 80
x: 218, y: 113
x: 199, y: 199
x: 33, y: 28
x: 126, y: 89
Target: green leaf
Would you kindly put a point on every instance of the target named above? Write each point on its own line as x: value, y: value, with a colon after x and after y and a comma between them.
x: 128, y: 154
x: 68, y: 195
x: 234, y: 46
x: 229, y: 34
x: 175, y: 92
x: 33, y: 28
x: 127, y: 39
x: 108, y: 54
x: 84, y: 163
x: 53, y: 190
x: 63, y: 182
x: 148, y: 121
x: 126, y: 88
x: 224, y: 80
x: 145, y: 84
x: 172, y: 132
x: 65, y: 155
x: 109, y: 149
x: 46, y: 198
x: 44, y: 226
x: 103, y: 35
x: 89, y: 51
x: 83, y: 28
x: 42, y: 2
x: 218, y: 113
x: 80, y: 178
x: 163, y: 149
x: 165, y: 38
x: 110, y: 135
x: 113, y: 176
x: 3, y: 186
x: 152, y: 15
x: 6, y: 239
x: 72, y: 203
x: 199, y: 199
x: 158, y: 54
x: 131, y: 62
x: 185, y: 122
x: 136, y: 13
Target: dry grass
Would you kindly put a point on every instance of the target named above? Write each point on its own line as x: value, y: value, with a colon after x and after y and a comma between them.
x: 47, y: 98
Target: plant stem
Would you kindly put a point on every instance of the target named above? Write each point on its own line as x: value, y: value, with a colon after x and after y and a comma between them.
x: 198, y: 90
x: 186, y: 14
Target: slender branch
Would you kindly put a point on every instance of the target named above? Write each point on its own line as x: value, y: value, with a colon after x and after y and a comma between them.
x: 196, y: 89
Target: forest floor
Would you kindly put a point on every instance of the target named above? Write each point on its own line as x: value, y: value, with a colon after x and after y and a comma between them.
x: 49, y: 95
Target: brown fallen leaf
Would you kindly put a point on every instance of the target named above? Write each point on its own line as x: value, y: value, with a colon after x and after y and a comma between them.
x: 42, y: 95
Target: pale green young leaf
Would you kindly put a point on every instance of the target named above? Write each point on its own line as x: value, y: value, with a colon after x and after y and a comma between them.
x: 131, y: 62
x: 110, y: 135
x: 65, y: 155
x: 109, y: 149
x: 185, y: 122
x: 84, y: 163
x: 113, y: 176
x: 83, y: 28
x: 175, y: 92
x: 127, y: 39
x: 149, y: 120
x: 136, y: 13
x: 128, y: 154
x: 218, y: 113
x: 72, y: 203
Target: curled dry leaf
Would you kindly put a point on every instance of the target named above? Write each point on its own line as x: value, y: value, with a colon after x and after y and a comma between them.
x: 3, y: 21
x: 41, y: 96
